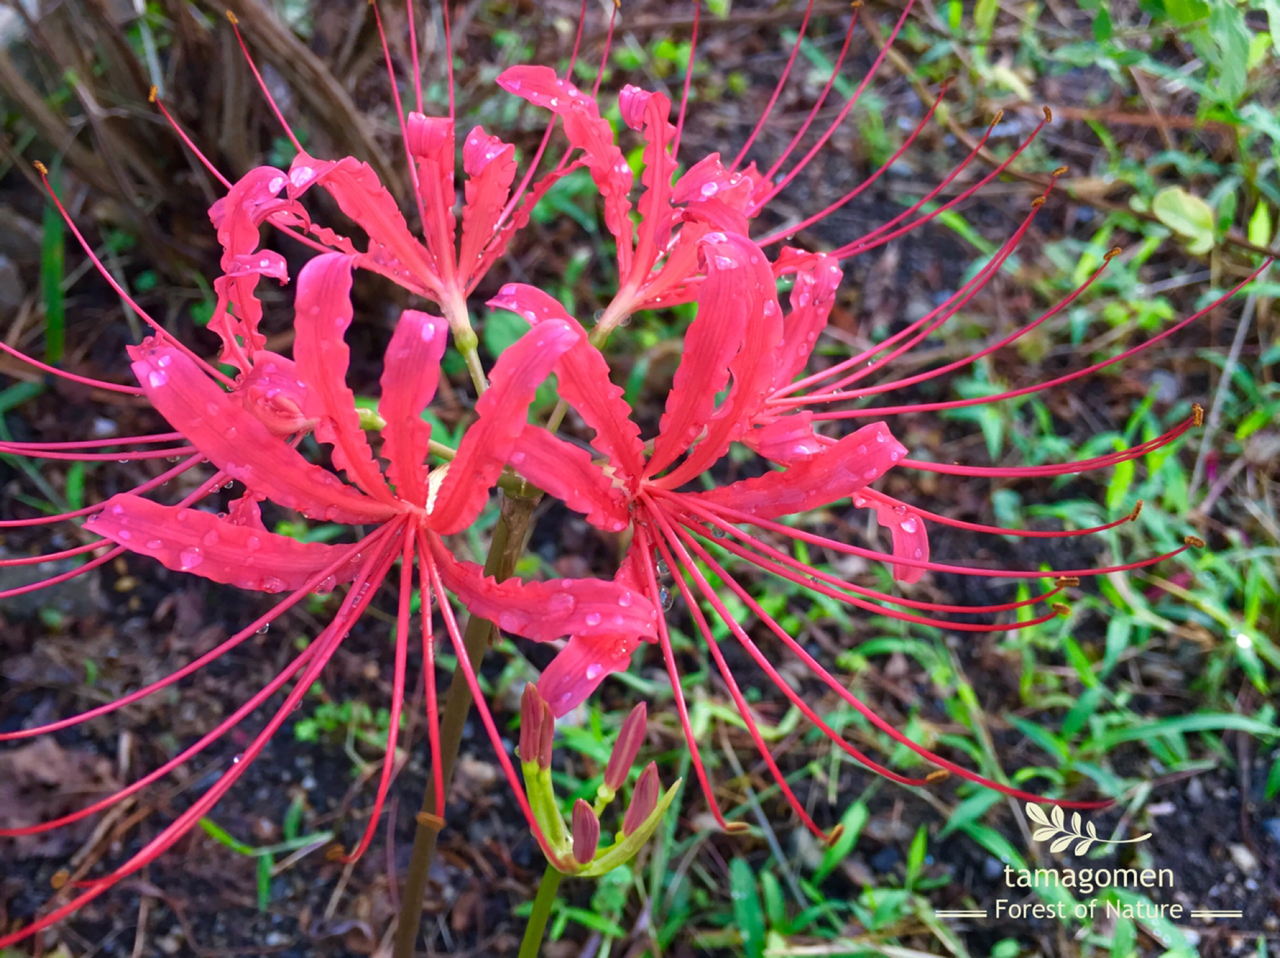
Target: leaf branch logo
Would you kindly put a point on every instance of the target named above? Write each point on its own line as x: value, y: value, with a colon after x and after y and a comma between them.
x: 1054, y: 825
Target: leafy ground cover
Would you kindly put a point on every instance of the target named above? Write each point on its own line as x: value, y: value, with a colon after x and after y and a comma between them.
x: 1158, y: 686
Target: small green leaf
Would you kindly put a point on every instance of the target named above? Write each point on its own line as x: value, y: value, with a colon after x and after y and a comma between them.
x: 1260, y: 225
x: 1187, y: 215
x: 501, y: 330
x: 747, y: 913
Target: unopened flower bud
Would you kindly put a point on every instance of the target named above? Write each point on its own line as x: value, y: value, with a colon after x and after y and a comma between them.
x: 586, y: 832
x: 537, y: 726
x: 643, y: 800
x: 625, y: 749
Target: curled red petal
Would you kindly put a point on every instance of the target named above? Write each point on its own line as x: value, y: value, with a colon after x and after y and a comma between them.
x: 490, y: 165
x: 549, y: 610
x: 584, y: 382
x: 188, y: 540
x: 250, y: 201
x: 840, y: 470
x: 410, y: 373
x: 274, y: 395
x: 393, y: 250
x: 910, y: 539
x: 322, y: 313
x: 736, y: 332
x: 786, y: 438
x: 502, y: 413
x: 237, y: 443
x: 567, y: 473
x: 589, y: 132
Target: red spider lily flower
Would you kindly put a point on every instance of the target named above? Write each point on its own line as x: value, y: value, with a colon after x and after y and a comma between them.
x: 741, y: 342
x: 242, y: 433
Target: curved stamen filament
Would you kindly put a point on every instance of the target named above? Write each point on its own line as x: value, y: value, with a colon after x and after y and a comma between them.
x: 673, y: 673
x: 867, y: 712
x: 17, y: 449
x: 62, y: 373
x: 735, y: 516
x: 688, y: 79
x: 777, y: 90
x: 54, y: 557
x: 799, y: 573
x: 372, y: 541
x: 744, y: 710
x: 354, y: 604
x: 425, y: 595
x: 147, y: 486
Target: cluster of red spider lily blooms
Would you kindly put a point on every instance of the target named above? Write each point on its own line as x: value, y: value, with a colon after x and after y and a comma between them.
x: 687, y: 240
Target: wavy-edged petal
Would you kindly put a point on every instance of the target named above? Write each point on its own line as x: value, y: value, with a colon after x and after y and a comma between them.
x: 910, y: 540
x: 584, y: 382
x: 818, y: 277
x: 737, y: 330
x: 544, y: 611
x: 567, y: 473
x: 648, y: 112
x: 431, y: 144
x: 322, y: 313
x: 502, y: 414
x: 251, y: 200
x: 840, y: 470
x: 518, y: 221
x: 490, y: 165
x: 237, y: 443
x: 589, y: 132
x: 708, y: 179
x: 188, y: 540
x: 393, y: 250
x: 410, y: 374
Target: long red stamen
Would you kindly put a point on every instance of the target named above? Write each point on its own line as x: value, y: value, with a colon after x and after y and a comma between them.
x: 967, y: 360
x: 371, y: 541
x: 763, y: 662
x: 357, y: 599
x: 395, y: 96
x: 16, y: 449
x: 448, y: 53
x: 62, y: 373
x: 744, y: 710
x: 425, y: 596
x: 411, y: 15
x: 262, y: 85
x: 147, y: 486
x: 54, y: 556
x: 486, y: 717
x: 688, y: 80
x: 735, y: 516
x: 673, y: 673
x: 881, y: 235
x: 830, y: 681
x: 840, y: 117
x: 777, y: 90
x: 800, y: 573
x: 403, y: 622
x: 857, y: 190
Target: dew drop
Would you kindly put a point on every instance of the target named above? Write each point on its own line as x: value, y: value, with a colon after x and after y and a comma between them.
x: 252, y: 543
x: 593, y: 618
x: 663, y: 570
x: 625, y: 599
x: 154, y: 544
x: 718, y: 533
x: 157, y: 378
x: 125, y: 534
x: 164, y: 360
x: 909, y: 525
x: 666, y: 599
x: 266, y: 627
x: 190, y: 558
x: 593, y: 671
x: 210, y: 538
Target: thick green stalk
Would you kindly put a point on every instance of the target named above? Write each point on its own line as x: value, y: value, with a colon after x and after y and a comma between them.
x: 537, y: 927
x: 508, y: 542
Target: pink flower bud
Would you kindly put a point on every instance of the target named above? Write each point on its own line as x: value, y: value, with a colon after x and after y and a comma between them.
x: 630, y: 738
x: 643, y: 800
x: 537, y: 726
x: 586, y: 833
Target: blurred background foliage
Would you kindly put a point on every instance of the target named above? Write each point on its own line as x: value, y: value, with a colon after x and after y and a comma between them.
x: 1158, y: 686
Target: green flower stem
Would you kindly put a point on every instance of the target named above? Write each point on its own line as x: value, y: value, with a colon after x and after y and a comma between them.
x: 531, y: 944
x: 508, y: 542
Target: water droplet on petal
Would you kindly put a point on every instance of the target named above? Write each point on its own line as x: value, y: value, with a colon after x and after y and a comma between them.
x: 625, y: 599
x: 593, y: 618
x: 190, y: 558
x: 210, y: 538
x: 909, y: 525
x: 154, y: 544
x: 157, y: 378
x: 593, y: 671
